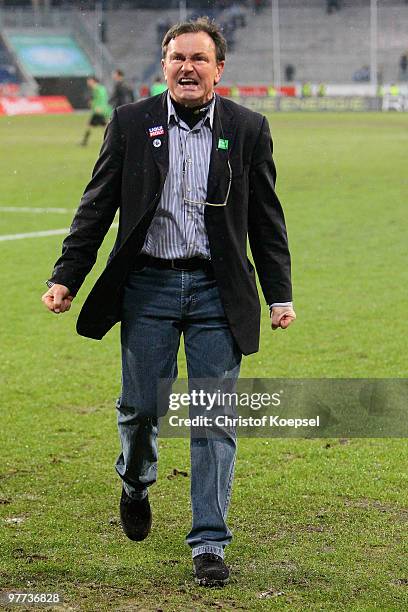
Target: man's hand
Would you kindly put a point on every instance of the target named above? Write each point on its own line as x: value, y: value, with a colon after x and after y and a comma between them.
x: 282, y: 316
x: 57, y: 299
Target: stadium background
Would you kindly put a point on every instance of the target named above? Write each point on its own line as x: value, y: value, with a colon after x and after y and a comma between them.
x: 319, y: 524
x: 321, y: 48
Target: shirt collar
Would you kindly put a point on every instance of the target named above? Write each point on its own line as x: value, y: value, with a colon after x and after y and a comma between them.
x: 171, y: 113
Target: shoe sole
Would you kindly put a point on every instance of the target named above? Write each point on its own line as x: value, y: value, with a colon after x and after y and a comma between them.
x: 136, y: 537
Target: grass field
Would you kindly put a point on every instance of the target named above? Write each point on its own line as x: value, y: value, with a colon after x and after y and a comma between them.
x: 318, y: 524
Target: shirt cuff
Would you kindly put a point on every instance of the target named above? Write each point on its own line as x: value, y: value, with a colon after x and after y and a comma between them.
x: 281, y: 305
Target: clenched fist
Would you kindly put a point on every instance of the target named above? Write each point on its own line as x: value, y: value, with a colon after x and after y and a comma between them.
x: 282, y: 316
x: 57, y: 299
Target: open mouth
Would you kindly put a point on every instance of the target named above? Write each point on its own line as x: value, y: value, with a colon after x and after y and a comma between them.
x: 187, y: 82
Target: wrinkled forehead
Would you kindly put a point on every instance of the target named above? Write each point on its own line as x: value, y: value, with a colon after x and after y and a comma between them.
x: 192, y: 43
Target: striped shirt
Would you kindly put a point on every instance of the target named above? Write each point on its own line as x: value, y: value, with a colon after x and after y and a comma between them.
x: 177, y: 230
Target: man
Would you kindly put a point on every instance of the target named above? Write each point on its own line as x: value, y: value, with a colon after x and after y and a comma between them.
x: 333, y: 5
x: 99, y: 106
x: 157, y: 87
x: 193, y: 176
x: 122, y: 93
x: 306, y: 90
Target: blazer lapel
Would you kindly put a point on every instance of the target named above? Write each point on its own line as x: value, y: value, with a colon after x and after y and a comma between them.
x: 156, y: 129
x: 224, y: 133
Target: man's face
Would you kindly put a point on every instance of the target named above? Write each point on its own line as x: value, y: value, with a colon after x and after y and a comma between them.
x: 191, y: 69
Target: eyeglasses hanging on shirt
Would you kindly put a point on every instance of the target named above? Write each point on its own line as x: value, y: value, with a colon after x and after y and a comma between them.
x: 184, y: 190
x: 189, y: 201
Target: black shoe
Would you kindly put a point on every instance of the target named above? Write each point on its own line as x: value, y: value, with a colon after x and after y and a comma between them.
x: 135, y: 517
x: 210, y: 570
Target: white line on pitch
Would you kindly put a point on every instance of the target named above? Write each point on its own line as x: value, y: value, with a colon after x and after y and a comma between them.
x: 33, y: 234
x: 29, y: 209
x: 55, y: 232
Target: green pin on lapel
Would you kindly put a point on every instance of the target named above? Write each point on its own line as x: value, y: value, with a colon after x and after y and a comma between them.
x: 223, y: 144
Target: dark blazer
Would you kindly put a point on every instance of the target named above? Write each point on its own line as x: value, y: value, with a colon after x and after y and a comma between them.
x: 130, y: 173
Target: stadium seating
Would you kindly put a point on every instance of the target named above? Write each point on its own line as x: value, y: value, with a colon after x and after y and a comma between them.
x: 322, y: 47
x: 132, y: 40
x: 9, y: 72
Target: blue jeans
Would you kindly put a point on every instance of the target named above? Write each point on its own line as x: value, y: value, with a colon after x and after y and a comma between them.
x: 158, y: 306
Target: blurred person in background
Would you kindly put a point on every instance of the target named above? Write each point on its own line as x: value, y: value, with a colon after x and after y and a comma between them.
x: 306, y: 91
x: 158, y: 86
x: 394, y: 90
x: 332, y: 6
x: 122, y: 92
x: 193, y: 177
x: 362, y: 75
x: 162, y: 26
x: 403, y: 65
x: 289, y: 72
x: 100, y: 108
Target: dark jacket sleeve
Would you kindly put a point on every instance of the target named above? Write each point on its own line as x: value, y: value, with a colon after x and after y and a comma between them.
x: 95, y: 213
x: 266, y: 223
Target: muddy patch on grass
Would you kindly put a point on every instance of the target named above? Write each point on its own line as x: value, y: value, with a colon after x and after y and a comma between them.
x: 14, y: 472
x: 20, y: 553
x: 400, y: 582
x: 270, y: 593
x: 175, y: 472
x: 14, y: 520
x: 373, y: 504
